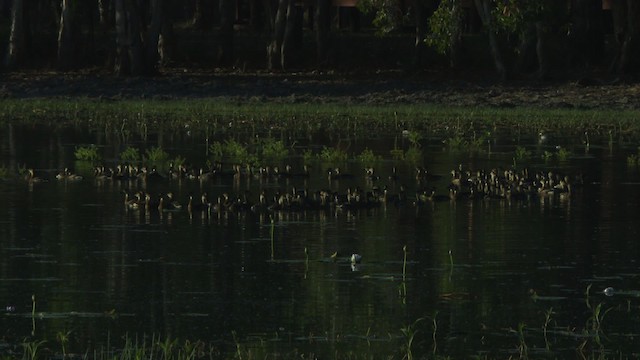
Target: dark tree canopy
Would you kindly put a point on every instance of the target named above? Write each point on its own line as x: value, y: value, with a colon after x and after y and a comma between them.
x: 539, y: 38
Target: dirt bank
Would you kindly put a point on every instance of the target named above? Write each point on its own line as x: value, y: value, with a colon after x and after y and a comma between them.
x: 384, y: 87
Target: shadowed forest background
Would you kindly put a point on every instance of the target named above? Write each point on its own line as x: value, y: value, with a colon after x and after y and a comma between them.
x: 510, y: 39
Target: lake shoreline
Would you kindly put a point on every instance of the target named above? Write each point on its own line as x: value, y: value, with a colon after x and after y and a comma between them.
x: 381, y: 88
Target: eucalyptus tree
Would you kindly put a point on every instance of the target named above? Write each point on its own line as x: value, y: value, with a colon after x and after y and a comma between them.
x: 66, y: 43
x: 32, y: 22
x: 518, y: 32
x: 391, y: 15
x: 17, y: 49
x: 227, y: 19
x: 203, y: 15
x: 284, y: 26
x: 138, y: 31
x: 322, y: 24
x: 626, y: 23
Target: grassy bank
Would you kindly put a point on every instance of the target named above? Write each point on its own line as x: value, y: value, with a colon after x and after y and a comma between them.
x: 333, y: 116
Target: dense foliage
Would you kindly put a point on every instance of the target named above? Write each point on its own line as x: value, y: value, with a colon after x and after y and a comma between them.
x: 140, y: 37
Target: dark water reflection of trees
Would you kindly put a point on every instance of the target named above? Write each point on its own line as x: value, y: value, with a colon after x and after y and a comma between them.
x: 476, y: 269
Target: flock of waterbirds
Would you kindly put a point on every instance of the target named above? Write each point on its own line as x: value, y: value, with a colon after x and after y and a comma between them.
x: 462, y: 184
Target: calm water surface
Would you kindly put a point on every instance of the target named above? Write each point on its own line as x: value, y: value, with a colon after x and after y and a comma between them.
x: 483, y: 277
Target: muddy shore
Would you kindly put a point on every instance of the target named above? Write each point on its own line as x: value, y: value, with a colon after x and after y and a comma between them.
x: 379, y: 88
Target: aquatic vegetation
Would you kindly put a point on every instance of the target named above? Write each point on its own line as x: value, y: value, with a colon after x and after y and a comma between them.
x: 521, y: 154
x: 594, y: 323
x: 414, y: 137
x: 63, y: 339
x: 409, y: 332
x: 232, y: 151
x: 131, y: 155
x: 434, y: 322
x: 368, y: 158
x: 274, y: 150
x: 333, y: 155
x: 456, y: 142
x: 563, y: 154
x: 87, y: 153
x: 180, y: 160
x: 404, y: 264
x: 32, y: 349
x: 156, y: 156
x: 523, y: 348
x: 547, y: 320
x: 216, y: 151
x: 308, y: 156
x: 413, y: 155
x: 397, y: 154
x: 5, y: 173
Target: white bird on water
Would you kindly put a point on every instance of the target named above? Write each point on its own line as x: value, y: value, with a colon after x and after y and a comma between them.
x: 356, y: 258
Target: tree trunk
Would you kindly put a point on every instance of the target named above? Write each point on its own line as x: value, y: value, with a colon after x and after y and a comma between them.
x: 66, y: 48
x: 586, y: 37
x: 122, y: 61
x: 630, y: 47
x: 484, y: 11
x: 290, y: 45
x: 152, y: 37
x: 422, y: 26
x: 136, y: 51
x: 166, y: 41
x: 227, y: 19
x: 274, y: 50
x: 104, y: 12
x: 17, y: 39
x: 203, y: 15
x: 541, y: 50
x: 322, y: 25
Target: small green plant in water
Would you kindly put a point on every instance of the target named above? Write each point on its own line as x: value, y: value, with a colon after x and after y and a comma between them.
x: 216, y: 151
x: 274, y: 150
x: 413, y: 155
x: 409, y: 333
x: 368, y: 158
x: 87, y: 153
x: 456, y: 142
x: 523, y: 348
x: 477, y: 143
x: 231, y: 150
x: 5, y: 173
x: 397, y: 154
x: 333, y: 155
x: 632, y: 160
x: 522, y: 154
x: 547, y: 155
x: 31, y: 349
x: 63, y: 338
x: 307, y: 156
x: 547, y: 320
x: 180, y: 160
x: 167, y: 347
x: 130, y: 155
x: 563, y: 154
x: 156, y: 156
x: 414, y: 138
x: 596, y: 319
x: 237, y: 152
